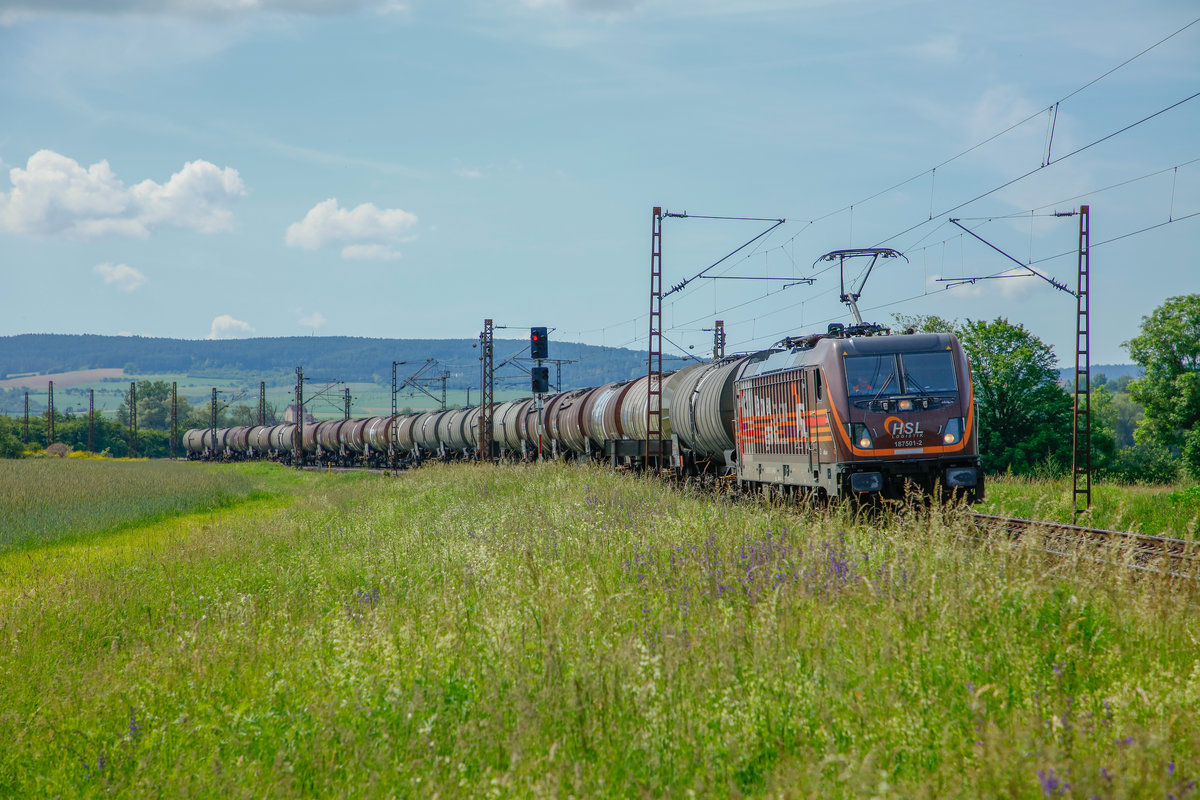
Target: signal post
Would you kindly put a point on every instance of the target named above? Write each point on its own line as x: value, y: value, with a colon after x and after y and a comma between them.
x: 539, y: 350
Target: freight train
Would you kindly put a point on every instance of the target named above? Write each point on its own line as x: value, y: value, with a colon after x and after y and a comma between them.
x: 853, y: 412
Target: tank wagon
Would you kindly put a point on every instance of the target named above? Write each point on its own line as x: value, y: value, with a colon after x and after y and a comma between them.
x: 855, y: 411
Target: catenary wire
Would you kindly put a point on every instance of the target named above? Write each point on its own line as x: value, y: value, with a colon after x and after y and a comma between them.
x: 971, y: 149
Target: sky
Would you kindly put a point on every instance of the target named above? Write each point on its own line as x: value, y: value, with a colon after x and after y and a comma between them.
x: 407, y: 168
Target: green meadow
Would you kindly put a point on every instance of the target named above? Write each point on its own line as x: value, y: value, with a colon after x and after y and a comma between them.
x: 1172, y: 511
x: 46, y: 500
x: 565, y: 631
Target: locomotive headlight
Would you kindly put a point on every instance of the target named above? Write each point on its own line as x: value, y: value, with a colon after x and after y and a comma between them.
x: 905, y: 405
x: 954, y: 431
x: 860, y: 435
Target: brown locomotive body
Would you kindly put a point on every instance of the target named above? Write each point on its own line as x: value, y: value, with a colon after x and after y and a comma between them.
x: 860, y: 412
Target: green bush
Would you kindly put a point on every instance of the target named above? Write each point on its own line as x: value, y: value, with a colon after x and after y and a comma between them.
x: 10, y: 439
x: 1145, y: 462
x: 1191, y: 453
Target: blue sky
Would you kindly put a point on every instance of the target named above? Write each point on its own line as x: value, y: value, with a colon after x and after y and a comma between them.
x: 197, y: 168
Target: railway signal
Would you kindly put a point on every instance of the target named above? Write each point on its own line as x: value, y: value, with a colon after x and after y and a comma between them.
x: 540, y: 382
x: 539, y: 343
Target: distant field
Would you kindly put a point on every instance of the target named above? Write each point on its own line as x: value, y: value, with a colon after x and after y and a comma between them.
x: 555, y: 630
x: 324, y: 400
x: 61, y: 379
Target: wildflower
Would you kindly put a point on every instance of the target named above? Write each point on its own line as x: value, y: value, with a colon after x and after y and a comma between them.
x: 1051, y: 785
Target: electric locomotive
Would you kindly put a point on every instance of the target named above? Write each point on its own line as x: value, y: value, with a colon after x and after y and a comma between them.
x: 860, y: 412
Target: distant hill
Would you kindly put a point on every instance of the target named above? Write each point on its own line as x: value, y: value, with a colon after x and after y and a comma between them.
x: 1109, y: 371
x: 342, y: 358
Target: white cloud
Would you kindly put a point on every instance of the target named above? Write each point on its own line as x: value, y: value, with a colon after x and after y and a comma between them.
x: 192, y: 198
x: 998, y: 108
x: 370, y: 252
x: 587, y: 6
x: 367, y: 231
x: 226, y: 327
x: 122, y: 276
x: 1011, y: 284
x: 12, y: 11
x: 55, y: 195
x: 946, y: 47
x: 1018, y: 283
x: 314, y: 320
x: 469, y: 173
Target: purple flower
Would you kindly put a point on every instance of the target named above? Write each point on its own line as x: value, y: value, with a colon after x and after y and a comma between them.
x: 1049, y: 782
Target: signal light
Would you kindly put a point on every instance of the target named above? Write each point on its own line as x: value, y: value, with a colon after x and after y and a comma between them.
x: 540, y: 379
x: 539, y: 343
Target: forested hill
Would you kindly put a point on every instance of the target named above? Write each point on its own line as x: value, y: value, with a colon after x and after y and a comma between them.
x: 341, y: 358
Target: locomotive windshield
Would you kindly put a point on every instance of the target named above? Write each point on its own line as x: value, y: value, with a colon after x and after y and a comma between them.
x: 872, y: 376
x: 929, y: 373
x: 898, y: 374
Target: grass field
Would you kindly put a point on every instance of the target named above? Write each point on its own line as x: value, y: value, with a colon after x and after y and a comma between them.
x: 464, y: 631
x: 1168, y: 511
x: 367, y: 399
x: 47, y: 500
x: 62, y: 380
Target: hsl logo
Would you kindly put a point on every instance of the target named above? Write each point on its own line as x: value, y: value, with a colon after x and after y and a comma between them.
x: 897, y: 428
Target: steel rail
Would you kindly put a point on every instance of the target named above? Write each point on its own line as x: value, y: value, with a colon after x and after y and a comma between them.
x: 1148, y: 552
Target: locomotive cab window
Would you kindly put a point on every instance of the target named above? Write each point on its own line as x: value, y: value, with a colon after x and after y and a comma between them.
x: 872, y: 376
x: 929, y: 373
x: 894, y: 374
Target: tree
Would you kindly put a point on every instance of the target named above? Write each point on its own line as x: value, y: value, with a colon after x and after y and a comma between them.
x: 243, y: 414
x: 1168, y: 349
x: 153, y: 406
x: 1024, y: 416
x: 110, y: 435
x: 1104, y: 429
x: 10, y: 439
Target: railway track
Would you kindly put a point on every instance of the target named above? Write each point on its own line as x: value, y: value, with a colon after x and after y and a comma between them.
x: 1142, y: 551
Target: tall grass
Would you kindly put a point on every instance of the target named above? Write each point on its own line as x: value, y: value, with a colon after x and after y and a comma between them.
x: 557, y: 631
x: 1164, y: 510
x: 48, y: 499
